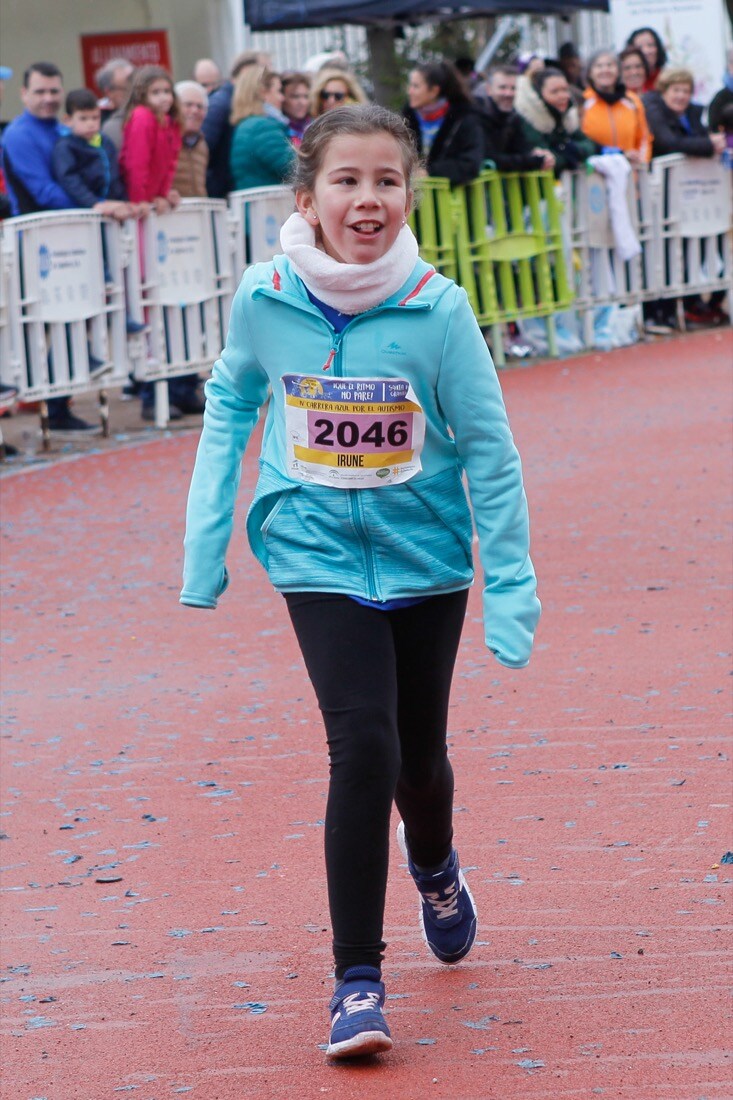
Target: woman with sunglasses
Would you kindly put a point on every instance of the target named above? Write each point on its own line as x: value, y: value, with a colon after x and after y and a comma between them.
x: 335, y: 88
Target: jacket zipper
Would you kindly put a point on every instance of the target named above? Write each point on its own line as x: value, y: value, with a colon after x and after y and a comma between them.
x: 355, y: 505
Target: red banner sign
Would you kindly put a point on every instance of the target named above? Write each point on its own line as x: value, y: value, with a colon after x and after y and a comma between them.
x: 139, y: 47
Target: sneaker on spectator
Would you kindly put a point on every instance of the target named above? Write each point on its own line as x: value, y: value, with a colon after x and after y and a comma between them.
x: 133, y: 327
x: 700, y: 315
x: 358, y: 1026
x: 447, y: 908
x: 656, y: 327
x: 148, y: 412
x: 67, y: 422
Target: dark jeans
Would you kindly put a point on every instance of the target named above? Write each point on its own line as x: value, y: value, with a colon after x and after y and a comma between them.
x: 382, y: 680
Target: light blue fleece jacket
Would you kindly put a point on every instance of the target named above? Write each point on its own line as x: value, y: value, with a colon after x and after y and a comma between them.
x: 409, y: 539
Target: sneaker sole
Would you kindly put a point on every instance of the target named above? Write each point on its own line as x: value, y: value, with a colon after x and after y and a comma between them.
x: 367, y: 1042
x: 446, y: 962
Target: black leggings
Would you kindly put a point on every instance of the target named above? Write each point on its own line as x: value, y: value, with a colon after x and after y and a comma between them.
x: 382, y: 680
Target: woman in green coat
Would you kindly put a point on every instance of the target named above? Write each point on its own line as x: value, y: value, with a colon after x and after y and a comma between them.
x: 550, y: 120
x: 261, y: 154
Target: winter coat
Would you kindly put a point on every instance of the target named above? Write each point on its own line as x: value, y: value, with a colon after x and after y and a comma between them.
x: 395, y: 540
x: 563, y: 137
x: 457, y: 151
x: 190, y: 178
x: 718, y: 104
x: 87, y: 173
x: 28, y: 144
x: 261, y: 153
x: 505, y: 142
x: 670, y: 136
x: 621, y: 125
x: 217, y: 130
x: 149, y: 155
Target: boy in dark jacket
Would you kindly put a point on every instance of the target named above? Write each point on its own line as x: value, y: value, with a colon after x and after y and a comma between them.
x: 84, y: 161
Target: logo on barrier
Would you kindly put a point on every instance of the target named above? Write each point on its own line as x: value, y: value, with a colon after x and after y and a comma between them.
x: 162, y: 242
x: 597, y: 198
x: 272, y: 230
x: 44, y: 261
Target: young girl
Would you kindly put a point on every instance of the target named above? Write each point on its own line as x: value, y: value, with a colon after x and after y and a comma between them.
x: 151, y: 140
x: 383, y: 393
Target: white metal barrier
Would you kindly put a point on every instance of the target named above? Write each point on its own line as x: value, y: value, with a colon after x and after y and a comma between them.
x: 681, y: 211
x: 256, y: 217
x: 64, y: 303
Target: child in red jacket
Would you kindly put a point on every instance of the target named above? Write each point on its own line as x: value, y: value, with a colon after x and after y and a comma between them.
x: 151, y: 140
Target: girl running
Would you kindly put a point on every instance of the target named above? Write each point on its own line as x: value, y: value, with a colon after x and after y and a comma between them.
x: 383, y: 394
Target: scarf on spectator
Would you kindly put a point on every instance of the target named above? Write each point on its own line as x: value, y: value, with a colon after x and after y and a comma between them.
x: 349, y: 288
x: 430, y: 120
x: 614, y: 96
x: 271, y: 111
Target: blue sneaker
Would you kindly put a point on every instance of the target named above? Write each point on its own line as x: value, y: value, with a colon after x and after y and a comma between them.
x: 358, y: 1025
x: 447, y: 909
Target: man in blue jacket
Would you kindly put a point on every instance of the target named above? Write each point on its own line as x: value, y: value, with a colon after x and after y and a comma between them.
x: 28, y: 145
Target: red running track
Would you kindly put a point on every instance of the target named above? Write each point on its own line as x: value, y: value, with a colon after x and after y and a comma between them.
x: 165, y: 929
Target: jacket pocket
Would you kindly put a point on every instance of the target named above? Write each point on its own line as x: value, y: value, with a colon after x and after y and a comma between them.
x: 444, y: 497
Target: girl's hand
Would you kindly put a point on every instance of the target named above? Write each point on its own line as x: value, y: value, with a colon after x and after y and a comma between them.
x: 140, y: 209
x: 173, y: 198
x: 161, y: 205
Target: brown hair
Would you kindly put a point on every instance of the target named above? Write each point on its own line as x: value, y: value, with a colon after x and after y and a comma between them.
x: 142, y: 78
x: 354, y: 91
x: 674, y: 76
x: 361, y: 120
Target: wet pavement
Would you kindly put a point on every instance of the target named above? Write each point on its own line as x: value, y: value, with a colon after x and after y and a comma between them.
x: 164, y: 780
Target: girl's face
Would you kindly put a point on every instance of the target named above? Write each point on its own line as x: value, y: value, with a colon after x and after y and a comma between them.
x: 334, y: 93
x: 360, y: 199
x: 633, y: 73
x: 677, y: 97
x: 419, y: 92
x: 604, y: 72
x: 295, y: 101
x: 274, y: 93
x: 556, y: 92
x: 159, y: 97
x: 645, y: 41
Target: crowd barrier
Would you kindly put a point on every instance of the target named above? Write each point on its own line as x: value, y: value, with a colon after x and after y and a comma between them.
x: 522, y: 245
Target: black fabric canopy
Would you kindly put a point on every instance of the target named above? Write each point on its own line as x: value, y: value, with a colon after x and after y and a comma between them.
x: 272, y: 15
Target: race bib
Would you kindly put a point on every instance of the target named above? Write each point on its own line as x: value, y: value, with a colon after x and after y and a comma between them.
x: 352, y: 433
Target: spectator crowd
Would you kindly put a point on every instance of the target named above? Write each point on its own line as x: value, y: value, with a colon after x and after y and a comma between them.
x: 140, y: 142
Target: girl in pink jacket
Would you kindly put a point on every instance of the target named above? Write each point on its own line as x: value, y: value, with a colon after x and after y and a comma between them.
x: 151, y: 140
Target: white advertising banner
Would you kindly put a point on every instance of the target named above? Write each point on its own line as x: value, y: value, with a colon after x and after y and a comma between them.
x: 695, y: 34
x: 62, y: 271
x: 183, y: 260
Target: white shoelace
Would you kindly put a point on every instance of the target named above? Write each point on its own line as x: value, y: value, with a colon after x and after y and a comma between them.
x: 444, y: 906
x: 357, y: 1002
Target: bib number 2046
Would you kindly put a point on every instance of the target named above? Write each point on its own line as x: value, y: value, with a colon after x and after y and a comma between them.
x: 347, y: 433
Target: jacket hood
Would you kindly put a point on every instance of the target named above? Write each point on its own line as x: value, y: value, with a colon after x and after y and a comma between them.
x: 535, y: 110
x: 424, y: 287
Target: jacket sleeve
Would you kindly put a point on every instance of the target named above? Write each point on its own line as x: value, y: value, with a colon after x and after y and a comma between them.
x: 34, y: 172
x: 234, y: 393
x: 276, y: 150
x: 174, y: 142
x: 667, y: 137
x: 461, y: 156
x: 471, y: 399
x: 66, y: 173
x: 520, y: 158
x: 116, y: 185
x: 138, y: 144
x: 644, y: 136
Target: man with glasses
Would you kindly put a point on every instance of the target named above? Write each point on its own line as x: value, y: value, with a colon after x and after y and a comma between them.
x: 113, y: 81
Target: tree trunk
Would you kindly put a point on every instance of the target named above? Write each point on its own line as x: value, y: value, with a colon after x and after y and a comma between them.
x: 384, y: 67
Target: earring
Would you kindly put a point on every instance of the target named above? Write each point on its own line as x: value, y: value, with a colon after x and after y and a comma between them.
x: 314, y: 215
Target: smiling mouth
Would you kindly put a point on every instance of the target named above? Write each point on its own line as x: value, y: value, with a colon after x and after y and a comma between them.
x: 366, y: 228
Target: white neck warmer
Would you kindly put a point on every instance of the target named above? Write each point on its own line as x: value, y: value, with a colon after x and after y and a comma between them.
x: 349, y: 288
